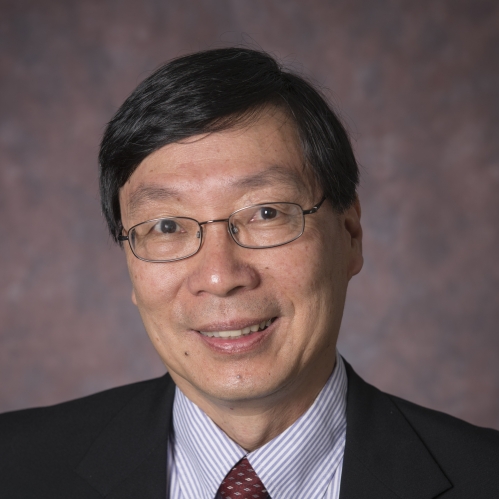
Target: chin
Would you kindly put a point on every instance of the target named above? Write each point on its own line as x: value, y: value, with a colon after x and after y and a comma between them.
x: 238, y: 390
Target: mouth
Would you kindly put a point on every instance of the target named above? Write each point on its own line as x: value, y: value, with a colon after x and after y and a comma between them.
x: 238, y: 333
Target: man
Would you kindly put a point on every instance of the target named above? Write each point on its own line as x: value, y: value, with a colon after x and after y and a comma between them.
x: 232, y: 186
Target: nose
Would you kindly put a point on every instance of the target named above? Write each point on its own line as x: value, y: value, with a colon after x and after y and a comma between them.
x: 220, y: 267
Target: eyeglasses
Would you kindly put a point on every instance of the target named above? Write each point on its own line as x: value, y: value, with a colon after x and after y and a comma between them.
x: 259, y: 226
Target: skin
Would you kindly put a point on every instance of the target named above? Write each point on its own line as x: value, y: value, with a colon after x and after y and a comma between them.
x: 255, y: 387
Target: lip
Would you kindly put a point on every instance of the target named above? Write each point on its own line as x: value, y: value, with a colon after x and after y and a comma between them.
x: 240, y: 345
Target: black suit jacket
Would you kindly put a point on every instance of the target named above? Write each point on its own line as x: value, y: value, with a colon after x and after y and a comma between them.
x: 113, y: 445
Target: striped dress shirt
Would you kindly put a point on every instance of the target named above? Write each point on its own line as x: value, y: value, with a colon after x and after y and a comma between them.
x: 305, y: 461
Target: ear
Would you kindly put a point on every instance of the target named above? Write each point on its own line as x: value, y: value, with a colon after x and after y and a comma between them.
x: 354, y: 231
x: 134, y: 298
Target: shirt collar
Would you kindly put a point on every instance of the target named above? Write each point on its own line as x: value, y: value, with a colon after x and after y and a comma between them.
x: 300, y: 462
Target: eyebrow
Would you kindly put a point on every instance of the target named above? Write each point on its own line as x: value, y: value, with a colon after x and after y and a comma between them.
x: 275, y: 174
x: 147, y: 193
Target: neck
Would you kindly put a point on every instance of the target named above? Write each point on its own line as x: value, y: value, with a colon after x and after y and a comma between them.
x: 254, y: 422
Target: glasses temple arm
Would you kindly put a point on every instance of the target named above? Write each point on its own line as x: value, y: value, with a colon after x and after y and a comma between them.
x: 315, y: 208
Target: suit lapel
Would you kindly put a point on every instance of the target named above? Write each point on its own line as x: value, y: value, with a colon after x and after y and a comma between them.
x: 384, y: 457
x: 128, y: 459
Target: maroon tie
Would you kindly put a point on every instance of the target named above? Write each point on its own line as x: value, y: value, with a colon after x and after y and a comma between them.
x: 242, y: 483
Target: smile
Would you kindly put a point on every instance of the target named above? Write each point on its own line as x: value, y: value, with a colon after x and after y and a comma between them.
x: 237, y: 333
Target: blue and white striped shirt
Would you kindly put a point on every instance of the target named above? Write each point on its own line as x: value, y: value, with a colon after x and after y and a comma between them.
x: 304, y: 461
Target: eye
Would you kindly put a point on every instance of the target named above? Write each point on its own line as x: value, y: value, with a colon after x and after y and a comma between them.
x: 267, y: 213
x: 167, y: 226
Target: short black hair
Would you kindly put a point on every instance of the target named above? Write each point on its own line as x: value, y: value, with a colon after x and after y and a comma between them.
x: 211, y: 91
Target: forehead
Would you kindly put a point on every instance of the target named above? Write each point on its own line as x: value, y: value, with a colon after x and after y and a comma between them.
x: 259, y: 157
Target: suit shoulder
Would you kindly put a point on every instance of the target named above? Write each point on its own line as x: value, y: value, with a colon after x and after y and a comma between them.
x: 444, y: 424
x: 409, y: 446
x: 456, y: 444
x: 440, y: 429
x: 78, y: 421
x: 97, y: 404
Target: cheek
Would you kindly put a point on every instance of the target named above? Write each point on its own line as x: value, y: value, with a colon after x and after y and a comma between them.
x: 154, y: 291
x: 307, y: 273
x: 314, y: 264
x: 154, y: 285
x: 319, y: 280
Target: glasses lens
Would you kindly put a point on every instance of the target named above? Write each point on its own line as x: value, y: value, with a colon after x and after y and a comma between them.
x: 267, y: 225
x: 165, y: 239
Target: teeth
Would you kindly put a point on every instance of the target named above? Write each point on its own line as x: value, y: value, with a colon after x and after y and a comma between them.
x: 238, y: 332
x: 229, y: 334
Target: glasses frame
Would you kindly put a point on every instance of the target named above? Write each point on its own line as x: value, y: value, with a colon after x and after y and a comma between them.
x: 314, y: 209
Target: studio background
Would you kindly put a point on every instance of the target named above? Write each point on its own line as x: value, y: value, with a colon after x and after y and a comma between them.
x: 417, y: 85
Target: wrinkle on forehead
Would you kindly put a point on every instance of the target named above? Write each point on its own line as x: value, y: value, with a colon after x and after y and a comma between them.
x: 275, y: 175
x: 173, y: 173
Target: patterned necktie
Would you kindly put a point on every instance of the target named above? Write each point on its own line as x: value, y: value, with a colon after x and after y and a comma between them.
x: 242, y: 483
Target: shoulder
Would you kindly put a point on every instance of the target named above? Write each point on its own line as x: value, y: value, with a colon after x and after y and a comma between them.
x: 455, y: 442
x: 69, y: 427
x: 407, y: 445
x: 431, y: 425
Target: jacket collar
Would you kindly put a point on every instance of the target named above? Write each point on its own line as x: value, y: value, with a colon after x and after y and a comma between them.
x: 384, y: 456
x: 128, y: 459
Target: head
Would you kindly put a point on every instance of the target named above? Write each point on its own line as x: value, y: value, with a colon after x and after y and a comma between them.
x: 206, y: 135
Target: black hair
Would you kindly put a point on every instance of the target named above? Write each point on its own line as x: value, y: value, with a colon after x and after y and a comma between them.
x: 212, y: 91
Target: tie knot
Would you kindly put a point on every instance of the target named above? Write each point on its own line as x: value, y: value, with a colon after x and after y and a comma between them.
x: 242, y: 483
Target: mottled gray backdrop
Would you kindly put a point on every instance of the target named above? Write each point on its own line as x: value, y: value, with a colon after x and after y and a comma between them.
x: 417, y: 84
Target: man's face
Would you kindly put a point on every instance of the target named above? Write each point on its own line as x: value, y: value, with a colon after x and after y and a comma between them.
x: 300, y: 286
